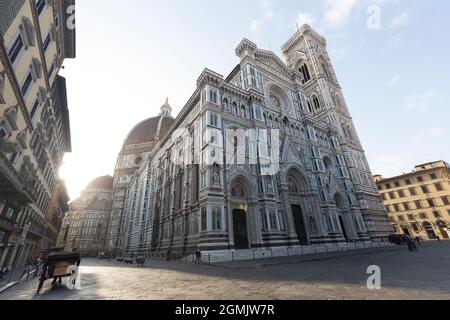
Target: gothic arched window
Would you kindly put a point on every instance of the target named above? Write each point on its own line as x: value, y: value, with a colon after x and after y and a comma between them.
x: 325, y: 69
x: 243, y: 112
x: 309, y: 107
x: 316, y: 103
x: 305, y: 72
x: 235, y: 108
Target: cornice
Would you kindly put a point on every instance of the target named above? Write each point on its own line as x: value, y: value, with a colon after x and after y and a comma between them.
x: 304, y: 30
x: 245, y: 45
x: 270, y: 56
x: 209, y: 77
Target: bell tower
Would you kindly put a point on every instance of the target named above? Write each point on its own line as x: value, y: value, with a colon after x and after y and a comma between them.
x: 306, y: 54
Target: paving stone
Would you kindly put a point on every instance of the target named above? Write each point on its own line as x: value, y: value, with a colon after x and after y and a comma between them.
x: 405, y: 276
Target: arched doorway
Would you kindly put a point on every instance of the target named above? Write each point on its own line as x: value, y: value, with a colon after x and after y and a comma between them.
x: 429, y: 229
x: 239, y: 207
x: 443, y: 227
x: 405, y: 229
x: 297, y: 184
x: 340, y: 207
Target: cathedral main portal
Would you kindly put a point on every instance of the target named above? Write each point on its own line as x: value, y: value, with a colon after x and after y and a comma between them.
x: 241, y: 241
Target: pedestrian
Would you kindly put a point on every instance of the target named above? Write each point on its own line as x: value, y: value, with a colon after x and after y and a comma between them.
x: 37, y: 265
x: 27, y: 269
x: 411, y: 245
x: 198, y: 256
x: 418, y: 240
x: 438, y: 239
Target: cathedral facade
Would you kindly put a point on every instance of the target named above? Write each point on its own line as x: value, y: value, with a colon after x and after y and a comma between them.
x: 267, y: 157
x: 85, y: 225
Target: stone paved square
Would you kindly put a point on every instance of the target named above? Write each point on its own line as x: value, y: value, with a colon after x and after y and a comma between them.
x: 405, y: 276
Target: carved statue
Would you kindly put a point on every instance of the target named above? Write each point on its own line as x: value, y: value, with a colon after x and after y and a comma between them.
x: 216, y: 178
x: 313, y: 225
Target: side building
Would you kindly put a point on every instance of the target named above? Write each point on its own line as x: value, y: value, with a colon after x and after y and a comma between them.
x: 34, y: 120
x: 206, y: 183
x: 418, y: 202
x: 85, y: 225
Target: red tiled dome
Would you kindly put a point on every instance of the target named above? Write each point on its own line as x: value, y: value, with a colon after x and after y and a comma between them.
x: 105, y: 182
x: 147, y: 130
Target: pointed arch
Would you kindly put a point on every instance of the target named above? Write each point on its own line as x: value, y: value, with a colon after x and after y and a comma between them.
x: 316, y: 102
x: 302, y: 66
x: 339, y: 201
x: 324, y: 66
x: 328, y: 163
x: 296, y: 179
x: 240, y: 187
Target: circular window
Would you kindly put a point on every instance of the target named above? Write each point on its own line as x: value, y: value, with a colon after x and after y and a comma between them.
x: 278, y: 99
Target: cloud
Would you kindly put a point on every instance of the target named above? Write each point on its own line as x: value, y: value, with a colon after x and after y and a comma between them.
x: 401, y: 20
x: 339, y: 53
x: 394, y: 80
x: 337, y: 12
x: 433, y: 133
x: 389, y: 165
x: 437, y: 132
x: 305, y: 18
x: 268, y: 15
x: 422, y: 102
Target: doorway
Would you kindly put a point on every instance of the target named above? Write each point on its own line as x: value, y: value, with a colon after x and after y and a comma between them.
x: 444, y: 233
x: 344, y: 231
x: 406, y: 231
x: 240, y: 230
x: 431, y: 234
x: 299, y: 223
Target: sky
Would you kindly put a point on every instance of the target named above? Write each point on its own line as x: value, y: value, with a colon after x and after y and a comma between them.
x: 390, y: 57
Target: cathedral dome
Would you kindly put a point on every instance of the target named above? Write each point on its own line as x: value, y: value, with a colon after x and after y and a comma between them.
x: 151, y: 129
x: 105, y: 182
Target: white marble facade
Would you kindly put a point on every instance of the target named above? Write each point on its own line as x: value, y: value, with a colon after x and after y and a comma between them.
x: 294, y: 112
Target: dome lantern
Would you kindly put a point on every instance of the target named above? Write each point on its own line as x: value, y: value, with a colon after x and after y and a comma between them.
x: 166, y: 109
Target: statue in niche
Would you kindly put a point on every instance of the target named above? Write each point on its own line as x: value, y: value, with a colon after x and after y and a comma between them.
x: 313, y: 225
x: 216, y: 177
x: 269, y: 184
